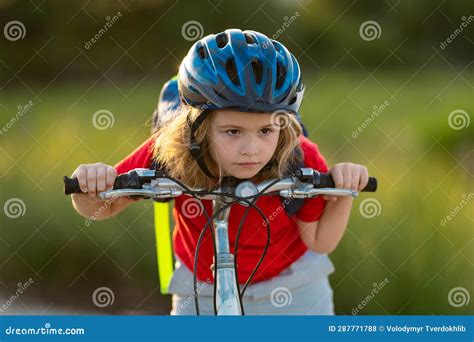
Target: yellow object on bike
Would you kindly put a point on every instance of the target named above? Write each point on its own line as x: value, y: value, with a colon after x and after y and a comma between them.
x: 164, y: 250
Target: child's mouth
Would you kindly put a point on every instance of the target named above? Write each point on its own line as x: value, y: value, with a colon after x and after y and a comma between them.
x: 248, y: 165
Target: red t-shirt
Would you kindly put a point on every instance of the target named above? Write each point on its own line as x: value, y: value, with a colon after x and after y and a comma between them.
x: 285, y: 246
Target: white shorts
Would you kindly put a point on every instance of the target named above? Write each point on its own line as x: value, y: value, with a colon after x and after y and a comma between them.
x: 301, y: 289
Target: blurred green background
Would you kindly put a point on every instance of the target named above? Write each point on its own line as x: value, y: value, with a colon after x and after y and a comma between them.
x: 420, y: 146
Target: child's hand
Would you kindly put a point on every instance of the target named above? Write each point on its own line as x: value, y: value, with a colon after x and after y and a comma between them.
x: 348, y: 176
x: 95, y: 178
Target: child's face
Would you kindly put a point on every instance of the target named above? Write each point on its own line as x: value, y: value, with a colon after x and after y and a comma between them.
x: 241, y: 137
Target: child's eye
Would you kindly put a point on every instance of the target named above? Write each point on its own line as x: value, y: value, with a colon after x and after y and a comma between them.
x: 233, y: 132
x: 266, y: 131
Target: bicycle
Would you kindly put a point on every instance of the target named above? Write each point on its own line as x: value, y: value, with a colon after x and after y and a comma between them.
x: 156, y: 184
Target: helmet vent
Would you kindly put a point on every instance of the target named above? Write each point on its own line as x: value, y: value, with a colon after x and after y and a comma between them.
x: 257, y: 70
x: 281, y: 74
x: 232, y: 71
x: 221, y: 40
x: 249, y: 38
x: 202, y: 52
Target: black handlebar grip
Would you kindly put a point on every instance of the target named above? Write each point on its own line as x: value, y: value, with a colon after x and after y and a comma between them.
x: 371, y: 185
x: 129, y: 180
x: 324, y: 180
x: 71, y: 186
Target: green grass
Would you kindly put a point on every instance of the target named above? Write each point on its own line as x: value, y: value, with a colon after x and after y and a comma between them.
x: 423, y: 166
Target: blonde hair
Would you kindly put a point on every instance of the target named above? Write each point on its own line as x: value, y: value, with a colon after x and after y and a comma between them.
x: 171, y: 150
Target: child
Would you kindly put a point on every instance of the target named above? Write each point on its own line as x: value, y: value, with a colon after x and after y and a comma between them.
x: 240, y: 93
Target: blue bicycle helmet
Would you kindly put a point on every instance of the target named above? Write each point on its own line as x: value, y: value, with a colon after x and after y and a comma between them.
x: 168, y: 105
x: 244, y: 70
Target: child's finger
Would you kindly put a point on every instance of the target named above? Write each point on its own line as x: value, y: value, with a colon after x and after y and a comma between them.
x: 92, y: 181
x: 364, y: 179
x: 346, y: 179
x: 355, y: 174
x: 101, y: 179
x: 337, y: 177
x: 330, y: 198
x: 81, y: 175
x: 111, y: 175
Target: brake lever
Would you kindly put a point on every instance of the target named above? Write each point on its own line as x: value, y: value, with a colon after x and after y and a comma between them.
x: 146, y: 192
x: 312, y: 192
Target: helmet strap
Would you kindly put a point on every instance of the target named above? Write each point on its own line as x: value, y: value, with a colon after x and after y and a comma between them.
x: 194, y: 147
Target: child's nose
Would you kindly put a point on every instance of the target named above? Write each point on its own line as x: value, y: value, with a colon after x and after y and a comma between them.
x: 249, y: 148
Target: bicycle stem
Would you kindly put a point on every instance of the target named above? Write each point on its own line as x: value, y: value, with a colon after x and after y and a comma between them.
x: 224, y: 274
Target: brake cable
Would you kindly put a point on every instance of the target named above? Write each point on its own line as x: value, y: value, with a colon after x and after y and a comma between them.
x: 209, y: 223
x: 260, y: 194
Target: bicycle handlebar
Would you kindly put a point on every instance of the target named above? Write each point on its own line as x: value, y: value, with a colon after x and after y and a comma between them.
x: 152, y: 183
